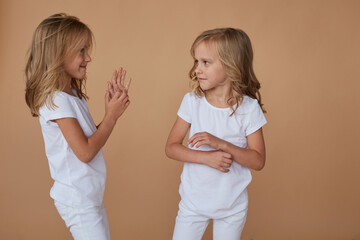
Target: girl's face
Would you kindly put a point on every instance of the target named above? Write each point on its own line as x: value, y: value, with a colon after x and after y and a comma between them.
x: 75, y: 64
x: 209, y: 70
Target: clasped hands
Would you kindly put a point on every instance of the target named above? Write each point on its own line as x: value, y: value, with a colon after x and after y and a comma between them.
x: 219, y: 159
x: 116, y: 98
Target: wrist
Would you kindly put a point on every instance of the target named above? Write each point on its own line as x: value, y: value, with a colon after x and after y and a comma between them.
x: 202, y: 157
x: 223, y: 146
x: 109, y: 119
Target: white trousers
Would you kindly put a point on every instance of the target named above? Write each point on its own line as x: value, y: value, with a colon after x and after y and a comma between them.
x: 191, y: 226
x: 85, y: 224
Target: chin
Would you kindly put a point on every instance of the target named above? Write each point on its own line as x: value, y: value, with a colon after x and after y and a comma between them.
x: 82, y: 76
x: 204, y: 88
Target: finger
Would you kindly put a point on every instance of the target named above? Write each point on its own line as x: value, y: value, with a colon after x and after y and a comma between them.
x: 118, y: 79
x: 226, y: 165
x: 194, y: 142
x: 111, y: 89
x: 126, y: 104
x: 107, y: 96
x: 123, y: 96
x: 118, y: 88
x: 124, y: 100
x: 227, y: 155
x: 114, y: 76
x: 116, y: 96
x: 118, y: 84
x: 223, y: 169
x: 193, y: 137
x: 200, y: 143
x: 128, y: 85
x: 228, y: 161
x: 122, y: 78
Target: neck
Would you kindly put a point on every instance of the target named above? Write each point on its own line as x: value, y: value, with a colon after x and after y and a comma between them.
x: 219, y: 94
x: 67, y: 88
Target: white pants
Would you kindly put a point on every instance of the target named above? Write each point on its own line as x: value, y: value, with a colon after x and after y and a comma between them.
x: 85, y: 224
x: 191, y: 226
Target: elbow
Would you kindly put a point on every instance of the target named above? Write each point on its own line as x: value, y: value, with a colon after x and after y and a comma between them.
x: 85, y: 157
x: 260, y: 164
x: 259, y: 167
x: 85, y: 160
x: 168, y: 150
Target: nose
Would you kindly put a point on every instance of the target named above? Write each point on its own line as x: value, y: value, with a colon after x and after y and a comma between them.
x: 198, y: 69
x: 87, y: 57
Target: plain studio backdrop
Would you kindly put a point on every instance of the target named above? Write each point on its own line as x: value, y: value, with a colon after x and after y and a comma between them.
x: 306, y: 56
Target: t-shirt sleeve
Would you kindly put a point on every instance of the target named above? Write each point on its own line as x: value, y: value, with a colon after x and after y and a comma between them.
x: 185, y: 108
x: 256, y: 118
x: 64, y: 109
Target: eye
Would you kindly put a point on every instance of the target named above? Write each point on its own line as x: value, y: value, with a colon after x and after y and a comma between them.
x: 82, y: 51
x: 206, y: 62
x: 196, y: 62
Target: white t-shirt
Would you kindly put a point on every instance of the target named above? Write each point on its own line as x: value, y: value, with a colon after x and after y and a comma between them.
x: 206, y: 190
x: 77, y: 184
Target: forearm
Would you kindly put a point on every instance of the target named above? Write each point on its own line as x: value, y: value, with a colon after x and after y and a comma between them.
x: 98, y: 139
x: 181, y: 153
x: 246, y: 157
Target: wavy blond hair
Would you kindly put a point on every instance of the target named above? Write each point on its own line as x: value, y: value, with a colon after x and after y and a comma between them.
x: 56, y: 38
x: 235, y: 52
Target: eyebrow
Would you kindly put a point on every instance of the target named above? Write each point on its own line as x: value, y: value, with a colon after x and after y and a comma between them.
x: 203, y: 59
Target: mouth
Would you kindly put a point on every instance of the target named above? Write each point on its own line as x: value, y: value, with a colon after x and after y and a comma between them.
x: 201, y: 79
x: 83, y: 67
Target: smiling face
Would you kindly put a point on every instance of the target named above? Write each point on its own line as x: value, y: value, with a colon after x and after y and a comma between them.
x: 75, y: 64
x: 209, y: 70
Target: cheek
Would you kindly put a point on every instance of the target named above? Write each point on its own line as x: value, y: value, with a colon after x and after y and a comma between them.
x: 218, y: 72
x: 222, y: 73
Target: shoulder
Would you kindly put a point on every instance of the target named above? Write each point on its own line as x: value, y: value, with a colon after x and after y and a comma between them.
x: 248, y: 105
x: 60, y: 97
x: 250, y: 102
x: 192, y: 97
x: 63, y: 102
x: 187, y: 106
x: 253, y: 114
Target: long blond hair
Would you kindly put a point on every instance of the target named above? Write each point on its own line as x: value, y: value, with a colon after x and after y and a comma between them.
x: 56, y: 38
x: 235, y: 52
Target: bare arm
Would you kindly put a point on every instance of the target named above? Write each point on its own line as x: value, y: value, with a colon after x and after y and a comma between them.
x: 175, y: 150
x: 86, y: 148
x: 252, y: 157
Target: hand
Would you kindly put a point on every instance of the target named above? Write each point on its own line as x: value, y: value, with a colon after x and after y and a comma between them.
x: 205, y: 138
x: 117, y: 83
x: 115, y: 106
x: 219, y: 160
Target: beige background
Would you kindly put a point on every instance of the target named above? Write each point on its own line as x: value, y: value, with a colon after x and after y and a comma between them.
x: 307, y: 59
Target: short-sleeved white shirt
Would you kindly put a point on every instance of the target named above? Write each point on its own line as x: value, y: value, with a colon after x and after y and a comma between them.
x: 206, y: 190
x: 77, y: 184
